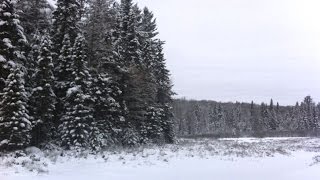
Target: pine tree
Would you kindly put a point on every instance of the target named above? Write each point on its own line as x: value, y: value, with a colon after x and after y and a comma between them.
x: 139, y: 99
x: 63, y: 68
x: 147, y: 32
x: 296, y: 117
x: 12, y: 40
x: 35, y: 16
x: 66, y: 22
x: 197, y: 118
x: 15, y: 125
x: 306, y: 111
x: 212, y: 119
x: 101, y: 20
x: 151, y: 129
x: 264, y: 117
x: 255, y: 120
x: 164, y: 91
x: 107, y: 111
x: 273, y: 122
x: 43, y: 99
x: 129, y: 47
x: 78, y: 127
x: 148, y: 26
x: 127, y: 53
x: 315, y: 119
x: 221, y: 119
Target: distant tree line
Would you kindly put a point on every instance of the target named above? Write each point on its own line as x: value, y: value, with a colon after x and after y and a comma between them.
x: 86, y: 74
x: 210, y: 118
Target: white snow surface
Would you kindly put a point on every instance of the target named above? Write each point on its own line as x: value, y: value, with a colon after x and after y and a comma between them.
x: 203, y: 159
x: 2, y: 59
x: 72, y: 90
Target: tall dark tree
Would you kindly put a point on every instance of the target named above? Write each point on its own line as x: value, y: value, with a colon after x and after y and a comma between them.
x: 35, y: 16
x: 15, y: 125
x: 307, y: 120
x: 66, y: 22
x: 140, y: 97
x: 164, y: 90
x: 129, y: 47
x: 273, y: 121
x: 43, y: 99
x: 107, y: 111
x: 254, y: 120
x: 101, y: 20
x: 77, y: 123
x: 64, y: 68
x: 12, y: 40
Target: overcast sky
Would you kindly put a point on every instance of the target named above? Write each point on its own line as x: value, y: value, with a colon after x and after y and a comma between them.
x: 241, y: 50
x: 229, y: 50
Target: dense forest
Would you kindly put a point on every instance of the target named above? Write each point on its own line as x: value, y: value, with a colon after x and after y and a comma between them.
x: 84, y: 74
x: 210, y: 118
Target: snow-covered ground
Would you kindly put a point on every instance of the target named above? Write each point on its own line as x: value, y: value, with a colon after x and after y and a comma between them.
x: 205, y: 159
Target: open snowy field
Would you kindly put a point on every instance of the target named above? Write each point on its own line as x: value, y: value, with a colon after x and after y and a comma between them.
x: 205, y: 159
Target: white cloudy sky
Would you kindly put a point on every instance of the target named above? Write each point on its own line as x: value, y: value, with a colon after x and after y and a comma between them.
x: 243, y: 50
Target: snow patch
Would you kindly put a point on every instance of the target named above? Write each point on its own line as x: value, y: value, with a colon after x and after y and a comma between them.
x: 72, y: 90
x: 2, y: 59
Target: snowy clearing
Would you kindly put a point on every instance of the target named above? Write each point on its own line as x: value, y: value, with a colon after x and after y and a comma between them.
x: 205, y: 159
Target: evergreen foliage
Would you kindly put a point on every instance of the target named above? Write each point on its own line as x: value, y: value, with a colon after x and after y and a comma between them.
x: 43, y: 100
x: 15, y: 125
x: 244, y: 119
x: 77, y: 120
x: 66, y: 22
x: 97, y: 80
x: 12, y: 40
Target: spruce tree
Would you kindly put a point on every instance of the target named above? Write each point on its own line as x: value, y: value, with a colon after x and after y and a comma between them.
x: 307, y: 120
x: 129, y: 49
x: 12, y: 40
x: 35, y: 16
x: 127, y: 55
x: 254, y: 120
x: 66, y: 22
x: 264, y: 117
x: 164, y: 91
x: 101, y: 20
x: 78, y: 126
x: 63, y: 68
x: 272, y: 117
x: 15, y: 125
x: 107, y: 113
x: 139, y: 99
x: 43, y: 99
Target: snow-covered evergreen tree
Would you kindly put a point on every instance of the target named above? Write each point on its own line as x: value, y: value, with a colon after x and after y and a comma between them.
x: 107, y: 111
x: 141, y: 96
x: 307, y: 121
x: 63, y: 68
x: 151, y: 128
x: 43, y: 99
x: 264, y: 117
x: 12, y: 40
x: 77, y: 123
x: 129, y: 50
x: 15, y: 125
x: 164, y: 90
x: 35, y: 16
x: 272, y: 117
x: 101, y: 19
x: 255, y: 120
x: 66, y: 22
